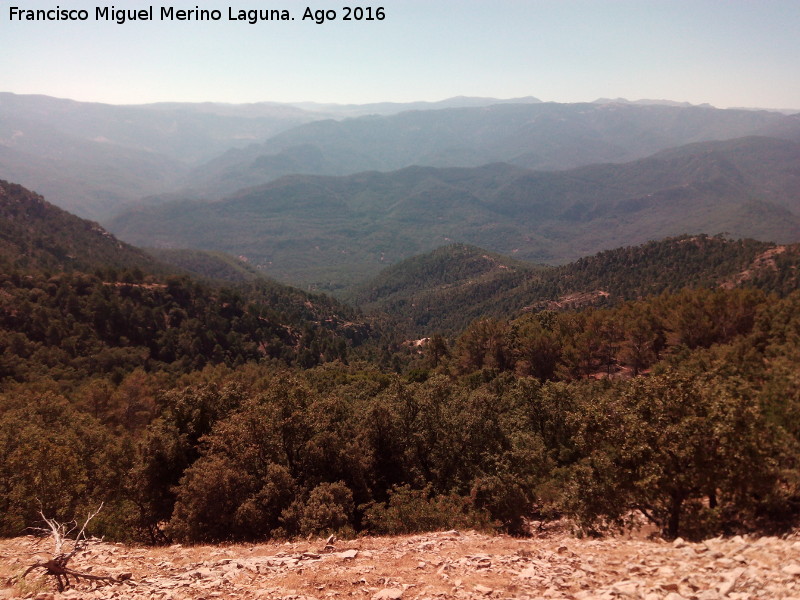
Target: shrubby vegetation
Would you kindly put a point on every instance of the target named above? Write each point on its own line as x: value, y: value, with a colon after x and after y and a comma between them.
x: 501, y: 430
x: 203, y: 413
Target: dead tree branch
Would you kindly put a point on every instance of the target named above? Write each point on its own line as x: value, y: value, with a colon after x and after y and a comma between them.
x: 57, y: 565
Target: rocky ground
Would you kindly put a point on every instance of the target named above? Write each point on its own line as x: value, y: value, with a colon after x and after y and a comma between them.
x: 451, y: 564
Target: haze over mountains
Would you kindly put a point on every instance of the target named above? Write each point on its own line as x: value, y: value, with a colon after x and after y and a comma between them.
x: 90, y: 158
x: 336, y: 231
x: 327, y: 195
x: 545, y: 136
x: 93, y: 159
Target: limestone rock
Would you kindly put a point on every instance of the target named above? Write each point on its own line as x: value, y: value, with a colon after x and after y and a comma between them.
x: 627, y: 588
x: 388, y: 594
x: 792, y: 569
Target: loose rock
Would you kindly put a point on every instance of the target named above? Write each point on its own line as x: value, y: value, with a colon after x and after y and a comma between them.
x: 437, y: 566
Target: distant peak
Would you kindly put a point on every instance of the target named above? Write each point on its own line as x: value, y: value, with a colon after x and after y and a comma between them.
x: 646, y: 102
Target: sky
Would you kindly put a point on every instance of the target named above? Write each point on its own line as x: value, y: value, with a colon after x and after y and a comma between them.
x: 728, y: 53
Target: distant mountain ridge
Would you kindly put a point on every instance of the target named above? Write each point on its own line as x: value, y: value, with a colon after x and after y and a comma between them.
x: 90, y: 158
x: 185, y: 132
x: 541, y: 136
x: 334, y: 231
x: 97, y: 160
x: 390, y: 108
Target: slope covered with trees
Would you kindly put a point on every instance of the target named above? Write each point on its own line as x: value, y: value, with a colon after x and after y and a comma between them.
x: 206, y: 413
x: 333, y: 232
x: 38, y: 235
x: 76, y: 303
x: 443, y: 291
x: 76, y: 325
x: 215, y: 266
x: 706, y: 443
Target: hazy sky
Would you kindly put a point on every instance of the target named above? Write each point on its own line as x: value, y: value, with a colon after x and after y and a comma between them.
x: 724, y: 52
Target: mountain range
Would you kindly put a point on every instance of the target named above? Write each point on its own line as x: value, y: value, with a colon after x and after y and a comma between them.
x: 441, y: 291
x: 91, y: 158
x: 334, y: 232
x: 543, y: 136
x: 450, y: 379
x: 325, y: 196
x: 97, y: 160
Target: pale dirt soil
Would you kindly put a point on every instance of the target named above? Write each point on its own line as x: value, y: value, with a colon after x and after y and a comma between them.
x: 465, y: 565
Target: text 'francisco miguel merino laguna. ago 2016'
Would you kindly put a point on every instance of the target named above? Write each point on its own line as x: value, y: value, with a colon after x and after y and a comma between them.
x: 170, y: 13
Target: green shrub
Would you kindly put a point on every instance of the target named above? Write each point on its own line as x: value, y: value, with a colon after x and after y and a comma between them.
x: 209, y: 496
x: 413, y: 511
x: 328, y: 509
x: 681, y: 448
x: 505, y: 499
x: 53, y: 460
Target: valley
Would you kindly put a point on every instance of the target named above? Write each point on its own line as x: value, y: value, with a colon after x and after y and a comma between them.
x: 400, y: 301
x: 481, y: 344
x: 331, y: 233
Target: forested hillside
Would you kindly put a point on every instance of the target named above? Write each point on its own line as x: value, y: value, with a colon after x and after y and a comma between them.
x: 215, y: 266
x: 77, y: 303
x: 201, y: 412
x: 443, y: 291
x: 75, y: 326
x: 38, y: 235
x: 335, y: 232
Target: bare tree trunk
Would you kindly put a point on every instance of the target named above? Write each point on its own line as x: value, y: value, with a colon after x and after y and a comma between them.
x: 57, y: 565
x: 674, y: 515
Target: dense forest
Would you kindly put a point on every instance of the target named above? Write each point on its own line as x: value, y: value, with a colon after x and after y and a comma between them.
x: 444, y: 290
x: 200, y: 411
x: 681, y: 409
x: 334, y: 232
